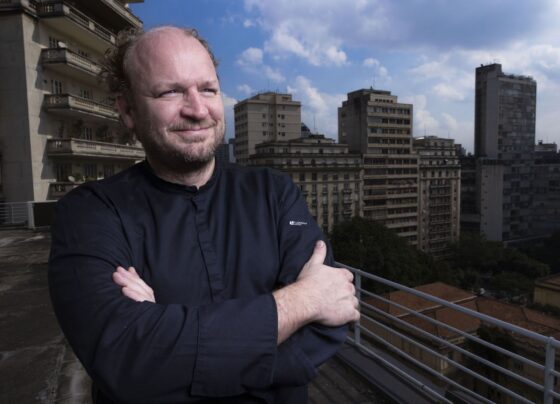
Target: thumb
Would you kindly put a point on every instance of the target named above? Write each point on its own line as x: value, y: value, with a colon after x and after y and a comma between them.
x: 319, y: 254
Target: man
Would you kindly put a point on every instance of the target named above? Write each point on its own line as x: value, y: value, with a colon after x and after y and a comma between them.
x: 240, y: 307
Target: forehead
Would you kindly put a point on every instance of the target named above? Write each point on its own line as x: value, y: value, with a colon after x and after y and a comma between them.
x: 170, y: 55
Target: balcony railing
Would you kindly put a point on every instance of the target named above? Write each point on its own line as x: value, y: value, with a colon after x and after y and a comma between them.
x: 90, y: 148
x: 66, y: 56
x: 58, y: 8
x: 123, y: 12
x: 71, y: 102
x: 439, y: 349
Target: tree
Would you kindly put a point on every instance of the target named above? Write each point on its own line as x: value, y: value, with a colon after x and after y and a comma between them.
x: 373, y: 248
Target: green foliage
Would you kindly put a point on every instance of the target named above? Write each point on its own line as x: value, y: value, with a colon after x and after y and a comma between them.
x: 547, y: 252
x: 508, y: 269
x: 370, y: 246
x: 473, y: 262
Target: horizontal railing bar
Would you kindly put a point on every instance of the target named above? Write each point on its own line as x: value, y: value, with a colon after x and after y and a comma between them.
x: 460, y: 332
x: 400, y: 372
x: 488, y: 319
x: 453, y: 363
x: 423, y: 366
x: 456, y: 348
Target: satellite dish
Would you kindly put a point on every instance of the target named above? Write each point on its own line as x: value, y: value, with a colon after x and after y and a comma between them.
x: 61, y: 44
x: 71, y: 178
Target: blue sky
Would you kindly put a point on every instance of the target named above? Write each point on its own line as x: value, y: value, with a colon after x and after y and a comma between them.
x: 423, y: 51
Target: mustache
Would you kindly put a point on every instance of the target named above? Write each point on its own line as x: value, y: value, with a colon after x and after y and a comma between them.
x: 192, y: 125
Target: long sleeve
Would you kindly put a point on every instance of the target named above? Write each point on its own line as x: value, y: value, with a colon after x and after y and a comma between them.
x: 213, y: 260
x: 144, y: 352
x: 299, y: 357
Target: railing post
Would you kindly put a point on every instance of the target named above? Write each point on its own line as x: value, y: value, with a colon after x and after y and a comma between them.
x: 548, y: 375
x: 30, y: 216
x: 357, y: 329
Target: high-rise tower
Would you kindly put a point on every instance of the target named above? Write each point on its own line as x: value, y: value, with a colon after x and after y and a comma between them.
x: 265, y: 117
x: 505, y: 110
x: 373, y: 123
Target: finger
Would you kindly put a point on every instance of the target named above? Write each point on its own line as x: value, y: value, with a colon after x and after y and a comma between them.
x: 140, y: 281
x: 119, y: 279
x: 135, y: 295
x: 319, y: 254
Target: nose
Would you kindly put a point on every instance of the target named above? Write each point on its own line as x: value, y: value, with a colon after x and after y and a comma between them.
x: 194, y: 106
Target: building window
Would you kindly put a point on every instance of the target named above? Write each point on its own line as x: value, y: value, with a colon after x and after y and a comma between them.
x: 313, y: 176
x: 302, y: 177
x: 86, y: 133
x: 56, y: 87
x: 90, y: 171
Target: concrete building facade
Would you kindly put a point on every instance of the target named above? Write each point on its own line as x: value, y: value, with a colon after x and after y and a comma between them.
x: 58, y: 127
x: 439, y: 194
x: 265, y: 117
x: 329, y: 177
x: 505, y: 111
x: 373, y: 123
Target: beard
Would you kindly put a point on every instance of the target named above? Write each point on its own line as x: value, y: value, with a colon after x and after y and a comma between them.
x: 178, y: 154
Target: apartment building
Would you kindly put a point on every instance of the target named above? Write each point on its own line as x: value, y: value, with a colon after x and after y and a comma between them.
x: 265, y: 117
x: 439, y: 194
x: 58, y: 126
x: 373, y: 123
x: 329, y: 177
x: 546, y: 186
x: 505, y: 111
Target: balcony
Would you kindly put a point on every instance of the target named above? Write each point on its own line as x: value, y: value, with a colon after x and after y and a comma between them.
x: 59, y: 148
x: 72, y: 105
x: 438, y: 343
x: 71, y: 64
x: 122, y: 12
x: 61, y: 16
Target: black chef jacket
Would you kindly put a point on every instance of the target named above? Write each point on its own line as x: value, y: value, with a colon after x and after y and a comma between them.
x: 213, y: 256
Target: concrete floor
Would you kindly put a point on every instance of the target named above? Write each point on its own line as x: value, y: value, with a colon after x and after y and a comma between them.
x: 36, y: 364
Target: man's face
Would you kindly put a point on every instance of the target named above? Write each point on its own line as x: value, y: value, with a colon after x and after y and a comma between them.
x: 177, y: 110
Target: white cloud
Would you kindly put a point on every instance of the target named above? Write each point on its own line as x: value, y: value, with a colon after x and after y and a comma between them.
x: 245, y: 89
x: 250, y: 57
x: 251, y: 61
x: 248, y: 23
x: 370, y: 62
x: 318, y: 108
x: 448, y: 92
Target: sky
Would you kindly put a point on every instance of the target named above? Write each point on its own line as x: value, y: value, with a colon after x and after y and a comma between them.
x: 423, y: 51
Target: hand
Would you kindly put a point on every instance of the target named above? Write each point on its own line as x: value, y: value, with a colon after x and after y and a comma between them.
x: 330, y: 293
x: 133, y: 286
x: 320, y: 294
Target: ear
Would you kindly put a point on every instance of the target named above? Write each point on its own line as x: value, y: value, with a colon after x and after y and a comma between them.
x: 125, y: 111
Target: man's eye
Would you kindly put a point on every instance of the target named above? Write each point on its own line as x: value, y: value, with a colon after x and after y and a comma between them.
x: 169, y: 93
x: 210, y: 90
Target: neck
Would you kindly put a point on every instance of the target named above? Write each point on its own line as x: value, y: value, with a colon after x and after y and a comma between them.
x: 193, y: 175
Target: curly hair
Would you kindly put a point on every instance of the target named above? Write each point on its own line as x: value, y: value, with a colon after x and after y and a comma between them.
x: 114, y: 70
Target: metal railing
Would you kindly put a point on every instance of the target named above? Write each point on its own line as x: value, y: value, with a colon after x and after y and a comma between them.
x: 15, y: 213
x: 433, y: 339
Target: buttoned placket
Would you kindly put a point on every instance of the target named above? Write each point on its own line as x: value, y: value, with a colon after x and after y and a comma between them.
x: 215, y: 275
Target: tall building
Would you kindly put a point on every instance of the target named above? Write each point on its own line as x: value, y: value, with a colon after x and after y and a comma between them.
x: 373, y: 123
x: 265, y: 117
x: 546, y: 197
x: 505, y: 110
x: 329, y: 177
x: 439, y: 194
x: 57, y: 125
